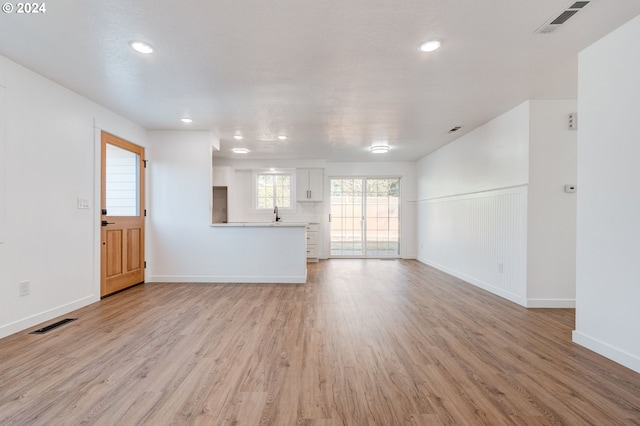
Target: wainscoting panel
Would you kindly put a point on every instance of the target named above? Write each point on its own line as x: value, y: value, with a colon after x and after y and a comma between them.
x: 479, y: 237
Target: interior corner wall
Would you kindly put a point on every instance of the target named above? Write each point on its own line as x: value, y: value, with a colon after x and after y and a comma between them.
x: 472, y: 206
x: 50, y: 161
x: 608, y: 227
x: 551, y: 224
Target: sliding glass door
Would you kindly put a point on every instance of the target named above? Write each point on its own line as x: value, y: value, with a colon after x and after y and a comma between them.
x: 365, y: 217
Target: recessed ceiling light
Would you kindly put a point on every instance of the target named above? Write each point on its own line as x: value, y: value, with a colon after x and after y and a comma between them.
x: 141, y: 46
x: 430, y: 46
x: 186, y: 120
x: 380, y: 148
x: 282, y: 137
x: 240, y: 150
x: 237, y: 137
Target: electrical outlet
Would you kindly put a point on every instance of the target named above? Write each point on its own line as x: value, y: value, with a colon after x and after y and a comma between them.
x: 24, y: 288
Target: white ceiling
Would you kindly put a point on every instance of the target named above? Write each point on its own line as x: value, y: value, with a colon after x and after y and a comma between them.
x: 333, y: 75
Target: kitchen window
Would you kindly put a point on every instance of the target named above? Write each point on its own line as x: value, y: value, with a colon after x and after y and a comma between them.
x: 274, y: 189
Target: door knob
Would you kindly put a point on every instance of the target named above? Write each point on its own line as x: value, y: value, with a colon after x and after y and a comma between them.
x: 105, y: 223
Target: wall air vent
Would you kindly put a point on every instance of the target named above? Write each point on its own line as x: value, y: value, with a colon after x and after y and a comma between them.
x: 561, y: 17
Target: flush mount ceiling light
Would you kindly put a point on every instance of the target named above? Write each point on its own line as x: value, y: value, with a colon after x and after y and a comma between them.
x: 186, y: 120
x: 380, y: 148
x: 282, y: 137
x: 237, y: 137
x: 430, y: 46
x: 240, y: 150
x: 141, y: 46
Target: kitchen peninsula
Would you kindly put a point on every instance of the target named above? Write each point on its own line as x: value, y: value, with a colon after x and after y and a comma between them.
x: 262, y: 252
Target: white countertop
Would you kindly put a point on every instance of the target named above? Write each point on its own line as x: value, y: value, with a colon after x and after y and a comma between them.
x: 260, y: 224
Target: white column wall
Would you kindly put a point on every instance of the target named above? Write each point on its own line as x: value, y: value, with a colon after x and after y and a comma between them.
x: 608, y: 246
x: 551, y: 236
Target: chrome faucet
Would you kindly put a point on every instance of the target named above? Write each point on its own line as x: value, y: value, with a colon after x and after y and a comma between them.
x: 275, y: 210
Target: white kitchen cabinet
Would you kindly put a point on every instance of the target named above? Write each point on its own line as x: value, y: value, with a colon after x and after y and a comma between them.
x: 221, y: 176
x: 312, y: 242
x: 309, y: 184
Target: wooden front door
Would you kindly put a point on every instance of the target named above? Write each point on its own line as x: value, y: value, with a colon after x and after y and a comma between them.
x: 123, y: 211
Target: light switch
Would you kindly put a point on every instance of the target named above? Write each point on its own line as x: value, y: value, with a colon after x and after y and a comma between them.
x: 570, y: 189
x: 83, y: 203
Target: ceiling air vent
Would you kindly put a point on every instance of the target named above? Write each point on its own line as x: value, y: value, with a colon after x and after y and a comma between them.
x: 561, y: 17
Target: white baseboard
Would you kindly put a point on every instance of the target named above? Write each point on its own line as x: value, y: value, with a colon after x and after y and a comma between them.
x: 615, y: 354
x: 222, y: 279
x: 478, y: 283
x: 25, y: 323
x: 551, y: 303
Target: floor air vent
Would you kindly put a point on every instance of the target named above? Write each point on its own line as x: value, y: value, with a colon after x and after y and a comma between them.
x: 561, y: 17
x: 53, y: 326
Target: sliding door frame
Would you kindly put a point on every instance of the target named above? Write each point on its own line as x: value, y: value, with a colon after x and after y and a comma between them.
x: 364, y: 254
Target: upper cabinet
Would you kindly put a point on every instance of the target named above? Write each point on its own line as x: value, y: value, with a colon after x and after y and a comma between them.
x: 309, y: 184
x: 220, y: 176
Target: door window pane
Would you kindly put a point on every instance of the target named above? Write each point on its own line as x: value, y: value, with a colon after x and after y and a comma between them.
x: 383, y: 205
x: 122, y: 182
x: 346, y: 217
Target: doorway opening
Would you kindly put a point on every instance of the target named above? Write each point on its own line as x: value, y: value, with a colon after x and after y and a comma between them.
x: 365, y: 217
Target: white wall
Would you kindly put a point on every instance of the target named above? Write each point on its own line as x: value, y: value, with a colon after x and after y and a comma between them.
x: 3, y: 137
x: 608, y: 289
x: 179, y: 205
x: 551, y: 234
x: 472, y: 207
x: 495, y: 155
x: 51, y: 158
x: 493, y: 210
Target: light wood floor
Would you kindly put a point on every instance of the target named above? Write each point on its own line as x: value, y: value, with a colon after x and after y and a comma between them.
x: 363, y: 342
